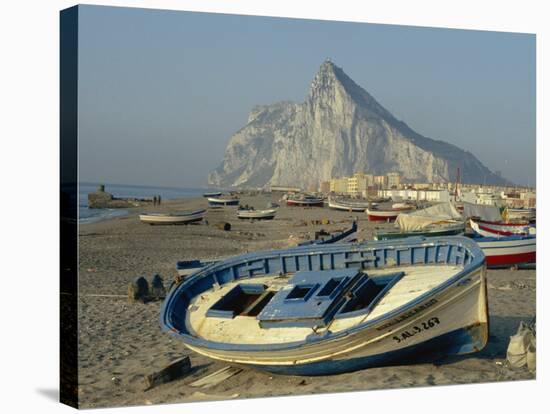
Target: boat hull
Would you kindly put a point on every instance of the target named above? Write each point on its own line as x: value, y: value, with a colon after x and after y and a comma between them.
x: 256, y: 215
x: 335, y: 205
x: 435, y: 233
x: 305, y: 203
x: 451, y: 343
x: 167, y: 219
x: 384, y: 215
x: 490, y: 228
x: 508, y: 251
x: 451, y: 317
x: 456, y: 324
x: 223, y: 202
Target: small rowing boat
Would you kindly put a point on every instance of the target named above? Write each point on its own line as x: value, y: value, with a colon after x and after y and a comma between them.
x: 348, y: 205
x: 223, y: 201
x: 375, y: 214
x: 257, y: 214
x: 172, y: 218
x: 305, y: 201
x: 327, y: 309
x: 212, y: 194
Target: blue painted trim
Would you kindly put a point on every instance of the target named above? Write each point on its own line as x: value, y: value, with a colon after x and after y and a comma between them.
x: 172, y: 316
x: 480, y: 239
x: 452, y: 343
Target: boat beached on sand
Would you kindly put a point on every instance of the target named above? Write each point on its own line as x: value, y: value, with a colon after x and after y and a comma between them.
x: 223, y: 201
x: 212, y: 194
x: 251, y: 214
x: 431, y: 230
x: 509, y: 250
x: 326, y: 309
x: 506, y: 250
x: 501, y: 228
x: 348, y: 205
x: 304, y: 201
x: 172, y: 218
x: 376, y: 214
x: 438, y: 220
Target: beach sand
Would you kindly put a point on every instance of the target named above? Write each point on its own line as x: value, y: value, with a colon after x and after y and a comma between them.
x: 120, y: 343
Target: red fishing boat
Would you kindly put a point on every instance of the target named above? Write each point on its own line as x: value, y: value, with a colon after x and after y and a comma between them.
x: 375, y: 214
x: 500, y: 228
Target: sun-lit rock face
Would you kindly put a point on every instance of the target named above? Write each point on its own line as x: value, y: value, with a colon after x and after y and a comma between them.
x: 340, y: 129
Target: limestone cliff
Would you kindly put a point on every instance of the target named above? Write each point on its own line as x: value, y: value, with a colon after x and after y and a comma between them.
x: 340, y: 129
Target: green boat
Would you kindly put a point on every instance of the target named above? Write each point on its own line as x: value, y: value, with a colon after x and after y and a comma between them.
x: 438, y: 220
x: 433, y: 230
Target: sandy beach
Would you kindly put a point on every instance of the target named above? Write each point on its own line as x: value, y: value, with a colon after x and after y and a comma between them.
x: 120, y: 343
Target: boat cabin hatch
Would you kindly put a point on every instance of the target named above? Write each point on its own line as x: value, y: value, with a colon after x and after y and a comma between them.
x: 245, y: 299
x: 308, y: 299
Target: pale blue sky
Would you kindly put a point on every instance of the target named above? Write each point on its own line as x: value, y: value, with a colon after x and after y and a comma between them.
x: 161, y: 92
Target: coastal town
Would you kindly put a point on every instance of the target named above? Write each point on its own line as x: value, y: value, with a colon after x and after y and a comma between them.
x: 393, y: 185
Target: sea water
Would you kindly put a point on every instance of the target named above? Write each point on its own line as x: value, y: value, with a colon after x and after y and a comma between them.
x: 89, y: 215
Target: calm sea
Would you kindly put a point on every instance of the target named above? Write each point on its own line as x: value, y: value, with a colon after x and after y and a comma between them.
x: 87, y: 215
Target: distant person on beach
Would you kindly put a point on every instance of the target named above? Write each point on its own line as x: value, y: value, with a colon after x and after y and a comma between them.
x: 154, y: 200
x: 158, y: 200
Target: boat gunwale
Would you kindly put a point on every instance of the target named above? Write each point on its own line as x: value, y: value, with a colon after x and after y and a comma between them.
x: 478, y: 261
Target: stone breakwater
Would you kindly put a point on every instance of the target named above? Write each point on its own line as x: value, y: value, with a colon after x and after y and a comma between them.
x: 103, y: 199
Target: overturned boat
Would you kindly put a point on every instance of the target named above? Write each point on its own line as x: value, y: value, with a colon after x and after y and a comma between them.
x: 173, y: 218
x: 326, y: 309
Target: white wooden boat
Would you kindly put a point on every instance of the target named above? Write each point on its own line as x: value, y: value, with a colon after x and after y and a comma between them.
x: 347, y: 205
x: 325, y: 309
x: 223, y: 201
x: 172, y: 218
x: 268, y: 214
x: 304, y: 201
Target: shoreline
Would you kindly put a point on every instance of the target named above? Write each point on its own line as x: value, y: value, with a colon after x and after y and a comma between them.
x: 120, y: 343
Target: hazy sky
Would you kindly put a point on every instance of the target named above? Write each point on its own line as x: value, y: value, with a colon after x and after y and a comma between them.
x: 161, y: 92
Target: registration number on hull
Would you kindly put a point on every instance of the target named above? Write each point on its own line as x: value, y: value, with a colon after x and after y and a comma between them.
x: 416, y: 329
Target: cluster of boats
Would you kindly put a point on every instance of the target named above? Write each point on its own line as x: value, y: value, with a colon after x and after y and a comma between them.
x: 215, y: 200
x: 327, y: 306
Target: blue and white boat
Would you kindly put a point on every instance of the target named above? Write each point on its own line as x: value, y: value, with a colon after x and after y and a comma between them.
x: 326, y: 309
x: 223, y: 201
x: 212, y: 194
